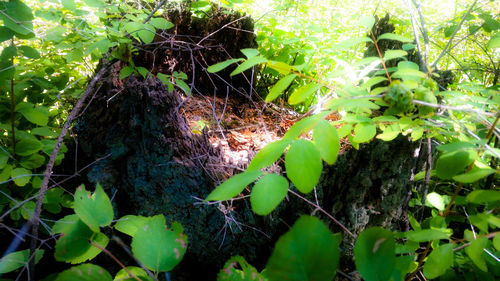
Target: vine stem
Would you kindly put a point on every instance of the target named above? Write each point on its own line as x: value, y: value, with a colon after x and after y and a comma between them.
x: 12, y: 115
x: 380, y: 56
x: 130, y: 274
x: 35, y: 219
x: 324, y: 212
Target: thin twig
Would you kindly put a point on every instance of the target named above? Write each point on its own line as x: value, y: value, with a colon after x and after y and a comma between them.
x: 454, y: 108
x: 130, y: 274
x: 224, y: 26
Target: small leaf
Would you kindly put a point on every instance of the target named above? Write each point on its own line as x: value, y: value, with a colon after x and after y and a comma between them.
x: 474, y: 174
x: 303, y: 165
x: 84, y: 272
x: 392, y: 36
x: 327, y: 140
x: 309, y: 251
x: 496, y: 242
x: 221, y: 65
x: 373, y: 81
x: 267, y: 193
x: 279, y: 87
x: 268, y: 155
x: 44, y: 132
x: 494, y: 42
x: 94, y: 209
x: 157, y: 247
x: 475, y: 252
x: 138, y: 272
x: 130, y: 224
x: 483, y: 196
x: 94, y: 3
x: 161, y: 23
x: 238, y: 269
x: 69, y: 4
x: 408, y: 73
x: 304, y: 126
x: 302, y: 93
x: 417, y: 133
x: 363, y: 132
x: 5, y: 34
x: 351, y: 42
x: 375, y: 254
x: 453, y: 163
x: 281, y: 67
x: 38, y: 115
x: 248, y: 64
x: 367, y: 21
x: 233, y: 186
x: 429, y: 234
x: 183, y: 86
x: 33, y: 161
x: 436, y: 200
x: 250, y: 53
x: 21, y: 176
x: 27, y: 147
x: 147, y: 33
x: 392, y: 54
x: 440, y: 260
x: 15, y: 260
x: 126, y: 72
x: 390, y: 132
x: 17, y: 16
x: 29, y: 52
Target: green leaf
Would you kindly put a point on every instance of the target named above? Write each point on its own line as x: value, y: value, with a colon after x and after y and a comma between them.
x: 303, y: 165
x: 8, y: 53
x: 363, y: 132
x: 138, y: 272
x: 75, y: 245
x: 494, y: 42
x: 232, y: 272
x: 21, y: 176
x: 483, y: 196
x: 267, y: 193
x: 94, y: 209
x: 15, y: 260
x: 44, y: 132
x: 453, y: 163
x: 38, y: 115
x: 307, y: 252
x: 32, y: 162
x: 233, y: 186
x: 429, y: 234
x: 280, y: 86
x: 367, y: 21
x: 126, y: 72
x: 496, y: 242
x: 7, y: 70
x: 161, y: 23
x: 392, y: 36
x: 374, y: 254
x: 147, y: 33
x: 303, y: 126
x: 417, y: 133
x: 142, y: 71
x: 16, y: 16
x: 392, y: 54
x: 351, y: 42
x: 327, y: 140
x: 476, y: 253
x: 250, y: 53
x: 352, y: 104
x: 28, y: 146
x: 407, y: 65
x: 221, y: 65
x: 69, y: 4
x: 157, y: 247
x: 302, y: 93
x: 84, y: 272
x: 474, y: 174
x: 373, y: 81
x: 281, y: 67
x: 390, y: 132
x: 268, y: 155
x: 408, y: 73
x: 94, y: 3
x: 130, y: 224
x: 440, y: 260
x: 5, y: 34
x: 436, y: 200
x: 4, y: 158
x: 183, y: 86
x: 248, y: 64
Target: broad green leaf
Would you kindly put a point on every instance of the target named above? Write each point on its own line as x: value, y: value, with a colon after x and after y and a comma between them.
x: 280, y: 86
x: 138, y: 272
x: 38, y: 115
x: 94, y: 3
x: 33, y: 161
x: 303, y: 165
x: 221, y: 65
x: 15, y: 260
x: 494, y: 42
x: 74, y: 55
x: 453, y: 163
x: 484, y: 196
x: 407, y: 65
x: 28, y: 146
x: 84, y: 272
x: 392, y: 54
x: 281, y: 67
x: 428, y: 234
x: 4, y: 158
x: 440, y: 260
x: 496, y: 242
x: 132, y: 27
x: 130, y: 224
x: 327, y: 140
x: 307, y: 252
x: 17, y: 16
x: 302, y: 93
x: 474, y: 174
x: 69, y: 4
x: 126, y: 72
x: 75, y: 246
x: 157, y: 247
x: 367, y: 21
x: 183, y: 86
x: 390, y: 132
x: 238, y: 269
x: 304, y: 125
x: 233, y: 186
x: 5, y: 34
x: 147, y: 33
x: 373, y: 81
x: 476, y: 253
x: 404, y: 265
x: 436, y: 200
x: 161, y: 23
x: 268, y: 154
x: 7, y: 70
x: 363, y: 132
x: 408, y: 73
x: 5, y: 173
x: 250, y: 53
x: 392, y: 36
x: 142, y: 71
x: 345, y: 130
x: 374, y: 254
x: 44, y: 132
x: 351, y: 42
x: 417, y: 133
x: 351, y: 104
x: 21, y: 176
x: 455, y: 146
x: 8, y: 53
x: 53, y: 200
x: 248, y: 64
x: 267, y: 193
x: 94, y: 209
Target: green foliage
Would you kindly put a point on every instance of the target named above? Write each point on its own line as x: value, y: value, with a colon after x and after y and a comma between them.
x: 375, y: 254
x: 86, y: 204
x: 231, y: 271
x: 85, y: 272
x: 15, y: 260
